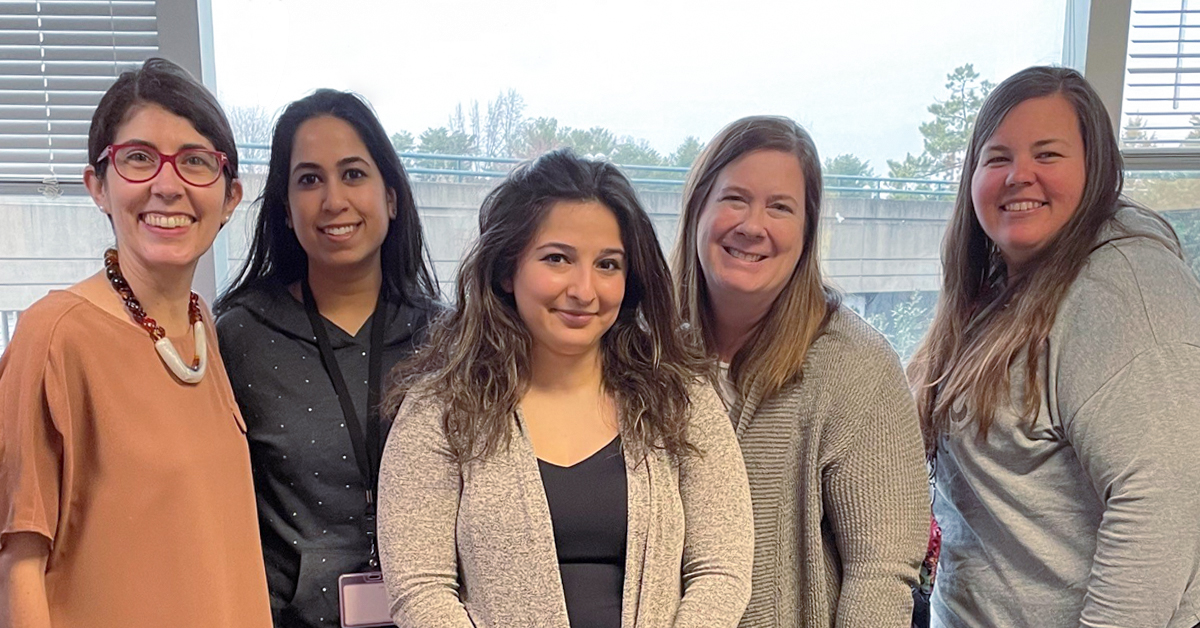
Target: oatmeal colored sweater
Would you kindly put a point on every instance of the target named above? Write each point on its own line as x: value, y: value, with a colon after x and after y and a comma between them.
x: 472, y: 545
x: 839, y: 488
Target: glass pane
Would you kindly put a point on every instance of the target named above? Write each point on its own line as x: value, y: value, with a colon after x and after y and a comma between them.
x: 887, y: 89
x: 1175, y: 195
x: 1162, y: 78
x: 45, y: 244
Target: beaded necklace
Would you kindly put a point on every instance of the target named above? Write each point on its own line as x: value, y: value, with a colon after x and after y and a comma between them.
x: 166, y: 351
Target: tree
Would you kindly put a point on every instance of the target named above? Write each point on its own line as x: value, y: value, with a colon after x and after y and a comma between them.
x: 1136, y: 136
x: 540, y: 135
x: 847, y: 165
x: 443, y: 141
x: 596, y: 142
x: 403, y: 142
x: 912, y: 167
x: 906, y: 323
x: 252, y: 126
x: 503, y: 124
x: 686, y: 154
x: 946, y: 136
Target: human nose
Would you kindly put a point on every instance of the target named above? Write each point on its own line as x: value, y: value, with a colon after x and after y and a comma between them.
x: 168, y: 182
x: 752, y: 223
x: 1020, y: 172
x: 335, y: 197
x: 581, y: 287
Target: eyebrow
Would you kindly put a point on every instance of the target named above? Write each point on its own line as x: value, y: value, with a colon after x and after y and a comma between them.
x: 1037, y: 144
x: 572, y: 250
x: 744, y: 192
x: 308, y: 165
x: 140, y: 142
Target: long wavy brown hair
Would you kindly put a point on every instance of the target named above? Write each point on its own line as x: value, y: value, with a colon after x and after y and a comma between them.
x: 987, y: 319
x: 477, y: 359
x: 774, y: 354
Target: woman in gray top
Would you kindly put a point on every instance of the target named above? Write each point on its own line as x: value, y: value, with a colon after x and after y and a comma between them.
x: 562, y: 358
x: 1059, y: 386
x: 818, y: 399
x: 336, y: 290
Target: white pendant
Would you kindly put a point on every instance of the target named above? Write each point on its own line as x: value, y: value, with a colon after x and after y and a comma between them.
x: 177, y: 366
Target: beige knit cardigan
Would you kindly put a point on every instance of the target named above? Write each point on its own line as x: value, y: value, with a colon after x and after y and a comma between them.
x: 472, y: 546
x: 839, y: 487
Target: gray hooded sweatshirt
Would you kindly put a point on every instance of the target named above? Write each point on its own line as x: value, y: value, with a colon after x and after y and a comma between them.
x: 1087, y: 515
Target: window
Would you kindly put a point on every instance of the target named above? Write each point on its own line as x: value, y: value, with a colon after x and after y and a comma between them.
x: 57, y: 57
x: 646, y: 84
x: 1160, y: 116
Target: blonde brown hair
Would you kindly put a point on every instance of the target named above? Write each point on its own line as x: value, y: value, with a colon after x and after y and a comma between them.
x: 988, y: 319
x: 774, y: 353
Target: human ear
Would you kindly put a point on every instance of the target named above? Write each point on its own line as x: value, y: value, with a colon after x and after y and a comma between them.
x: 95, y: 188
x: 232, y: 197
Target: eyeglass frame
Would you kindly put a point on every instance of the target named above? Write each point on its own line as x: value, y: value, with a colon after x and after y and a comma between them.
x: 110, y: 153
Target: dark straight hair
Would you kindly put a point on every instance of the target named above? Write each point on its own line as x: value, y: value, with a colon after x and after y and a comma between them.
x: 169, y: 86
x: 276, y: 255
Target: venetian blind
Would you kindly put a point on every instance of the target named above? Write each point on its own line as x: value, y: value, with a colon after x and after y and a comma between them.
x: 1161, y: 112
x: 57, y: 57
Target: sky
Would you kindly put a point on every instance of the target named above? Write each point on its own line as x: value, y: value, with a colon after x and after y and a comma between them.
x: 858, y: 74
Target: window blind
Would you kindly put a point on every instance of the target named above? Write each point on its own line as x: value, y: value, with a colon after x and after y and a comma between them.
x: 57, y: 57
x: 1161, y: 112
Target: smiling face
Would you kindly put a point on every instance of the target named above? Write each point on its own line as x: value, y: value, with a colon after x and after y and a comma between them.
x: 338, y: 203
x: 164, y: 222
x: 750, y: 233
x: 1030, y: 177
x: 569, y: 281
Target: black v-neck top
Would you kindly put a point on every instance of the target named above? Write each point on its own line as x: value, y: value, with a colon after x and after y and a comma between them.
x: 589, y: 512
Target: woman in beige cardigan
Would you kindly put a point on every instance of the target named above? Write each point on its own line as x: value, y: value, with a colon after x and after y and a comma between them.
x: 818, y: 400
x: 557, y: 464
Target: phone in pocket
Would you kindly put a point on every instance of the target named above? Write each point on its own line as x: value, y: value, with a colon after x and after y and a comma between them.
x: 363, y: 600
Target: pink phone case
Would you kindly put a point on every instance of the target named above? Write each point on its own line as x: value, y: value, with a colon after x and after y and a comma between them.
x: 363, y: 600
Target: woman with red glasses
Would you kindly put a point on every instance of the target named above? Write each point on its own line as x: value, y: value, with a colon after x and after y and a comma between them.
x: 126, y: 496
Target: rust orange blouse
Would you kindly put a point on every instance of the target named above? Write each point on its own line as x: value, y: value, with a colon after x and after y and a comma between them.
x: 141, y: 483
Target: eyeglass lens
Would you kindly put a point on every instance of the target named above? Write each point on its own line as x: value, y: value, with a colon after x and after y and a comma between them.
x: 194, y: 165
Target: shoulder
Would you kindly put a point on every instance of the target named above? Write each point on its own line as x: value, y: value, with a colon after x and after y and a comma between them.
x: 1134, y: 297
x: 1134, y: 293
x: 707, y: 411
x: 53, y: 319
x: 249, y: 309
x: 851, y: 349
x: 422, y: 405
x: 852, y: 381
x: 412, y: 319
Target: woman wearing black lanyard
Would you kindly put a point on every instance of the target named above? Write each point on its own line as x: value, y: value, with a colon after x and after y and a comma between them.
x: 335, y: 291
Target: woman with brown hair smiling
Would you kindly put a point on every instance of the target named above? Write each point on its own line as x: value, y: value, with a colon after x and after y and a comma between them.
x: 817, y: 397
x: 556, y: 460
x: 125, y: 490
x: 1059, y: 386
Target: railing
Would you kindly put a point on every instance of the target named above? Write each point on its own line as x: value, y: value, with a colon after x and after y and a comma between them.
x: 468, y: 168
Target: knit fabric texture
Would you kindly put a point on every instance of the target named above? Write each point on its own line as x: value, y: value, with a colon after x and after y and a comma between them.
x: 839, y: 487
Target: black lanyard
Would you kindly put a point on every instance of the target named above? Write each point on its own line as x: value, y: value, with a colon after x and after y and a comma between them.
x: 366, y: 447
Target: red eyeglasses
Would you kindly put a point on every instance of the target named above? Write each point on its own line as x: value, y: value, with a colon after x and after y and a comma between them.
x: 138, y: 163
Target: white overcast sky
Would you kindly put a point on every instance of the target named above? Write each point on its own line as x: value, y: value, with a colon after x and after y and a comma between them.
x: 858, y: 74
